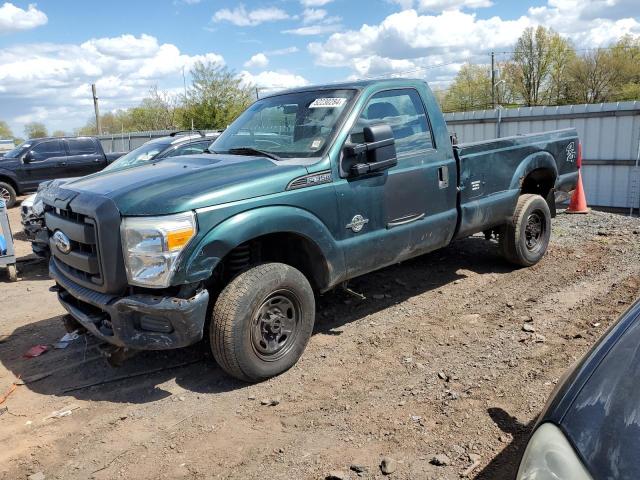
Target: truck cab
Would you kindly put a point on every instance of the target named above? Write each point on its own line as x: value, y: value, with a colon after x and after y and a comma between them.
x: 305, y: 190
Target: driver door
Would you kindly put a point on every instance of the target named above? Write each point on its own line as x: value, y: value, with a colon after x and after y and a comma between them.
x: 48, y: 160
x: 387, y: 217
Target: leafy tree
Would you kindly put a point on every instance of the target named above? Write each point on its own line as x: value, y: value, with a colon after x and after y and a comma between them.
x: 594, y: 77
x: 58, y: 133
x: 562, y: 55
x: 35, y: 130
x: 537, y: 54
x: 626, y: 58
x: 470, y: 90
x: 216, y: 97
x: 5, y: 131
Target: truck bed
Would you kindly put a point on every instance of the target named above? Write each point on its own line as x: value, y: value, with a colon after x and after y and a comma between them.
x: 488, y: 187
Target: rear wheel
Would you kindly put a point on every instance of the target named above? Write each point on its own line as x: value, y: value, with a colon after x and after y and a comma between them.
x: 8, y: 194
x: 262, y: 321
x: 524, y: 241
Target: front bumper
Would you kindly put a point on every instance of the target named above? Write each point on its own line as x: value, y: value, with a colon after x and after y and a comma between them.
x: 140, y: 322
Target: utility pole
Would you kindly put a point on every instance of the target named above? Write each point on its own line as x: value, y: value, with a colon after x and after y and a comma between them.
x: 95, y: 106
x: 257, y: 93
x: 493, y: 80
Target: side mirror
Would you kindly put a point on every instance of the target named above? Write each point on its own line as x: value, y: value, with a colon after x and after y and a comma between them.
x: 28, y: 158
x: 377, y: 153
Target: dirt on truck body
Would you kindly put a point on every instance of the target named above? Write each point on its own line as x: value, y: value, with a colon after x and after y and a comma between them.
x: 452, y: 354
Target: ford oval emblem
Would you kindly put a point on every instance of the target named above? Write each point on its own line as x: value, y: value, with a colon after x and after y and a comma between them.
x: 62, y: 241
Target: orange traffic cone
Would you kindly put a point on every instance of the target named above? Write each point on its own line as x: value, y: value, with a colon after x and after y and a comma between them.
x: 578, y: 202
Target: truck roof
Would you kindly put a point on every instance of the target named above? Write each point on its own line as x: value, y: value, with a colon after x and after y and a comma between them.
x: 357, y: 84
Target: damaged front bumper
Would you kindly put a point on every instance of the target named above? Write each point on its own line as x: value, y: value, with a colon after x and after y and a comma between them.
x: 140, y: 322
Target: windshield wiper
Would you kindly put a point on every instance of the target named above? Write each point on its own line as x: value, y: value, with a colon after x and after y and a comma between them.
x: 253, y: 151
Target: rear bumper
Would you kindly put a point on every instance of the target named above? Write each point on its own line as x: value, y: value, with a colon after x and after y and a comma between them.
x: 140, y: 322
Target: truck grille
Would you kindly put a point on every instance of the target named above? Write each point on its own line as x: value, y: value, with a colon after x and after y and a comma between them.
x: 82, y: 261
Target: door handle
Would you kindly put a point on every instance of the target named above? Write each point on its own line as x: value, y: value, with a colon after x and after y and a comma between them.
x: 62, y: 164
x: 443, y: 176
x: 97, y: 160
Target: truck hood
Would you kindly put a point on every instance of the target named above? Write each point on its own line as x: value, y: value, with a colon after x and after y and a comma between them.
x: 188, y: 182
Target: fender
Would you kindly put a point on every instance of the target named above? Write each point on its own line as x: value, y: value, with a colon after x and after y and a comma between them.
x: 10, y: 175
x: 529, y: 164
x: 202, y: 258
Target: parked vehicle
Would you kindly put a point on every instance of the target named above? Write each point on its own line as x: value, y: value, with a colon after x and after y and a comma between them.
x: 37, y: 160
x: 306, y: 189
x: 174, y: 145
x: 6, y: 145
x: 589, y: 428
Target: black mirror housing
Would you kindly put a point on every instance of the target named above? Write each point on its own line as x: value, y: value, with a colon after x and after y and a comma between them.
x: 28, y: 157
x: 376, y: 154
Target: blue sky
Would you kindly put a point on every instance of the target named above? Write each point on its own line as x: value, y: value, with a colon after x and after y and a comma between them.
x: 51, y: 51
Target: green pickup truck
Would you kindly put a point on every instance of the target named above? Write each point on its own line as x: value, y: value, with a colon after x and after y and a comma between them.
x: 305, y: 190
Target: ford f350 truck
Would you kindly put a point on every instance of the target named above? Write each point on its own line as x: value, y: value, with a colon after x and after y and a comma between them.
x: 305, y: 190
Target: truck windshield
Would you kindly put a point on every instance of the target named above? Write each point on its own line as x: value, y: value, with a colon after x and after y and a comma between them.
x: 291, y: 125
x: 139, y: 156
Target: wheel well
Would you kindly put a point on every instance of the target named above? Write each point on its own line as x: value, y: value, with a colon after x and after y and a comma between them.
x: 290, y: 248
x: 10, y: 182
x: 539, y: 181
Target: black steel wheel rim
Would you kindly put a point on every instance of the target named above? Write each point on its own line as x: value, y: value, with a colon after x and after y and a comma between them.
x: 535, y: 230
x: 275, y: 325
x: 5, y: 195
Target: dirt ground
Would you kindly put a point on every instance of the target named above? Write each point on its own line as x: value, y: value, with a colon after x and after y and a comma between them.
x: 435, y: 361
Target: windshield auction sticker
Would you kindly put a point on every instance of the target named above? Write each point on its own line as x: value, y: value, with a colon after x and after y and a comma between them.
x: 328, y: 103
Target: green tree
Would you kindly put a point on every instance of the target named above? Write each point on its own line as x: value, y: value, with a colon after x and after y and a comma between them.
x: 5, y: 131
x: 562, y: 55
x: 594, y: 77
x: 35, y: 130
x: 216, y: 97
x: 470, y: 90
x: 537, y: 55
x: 625, y: 55
x: 58, y: 133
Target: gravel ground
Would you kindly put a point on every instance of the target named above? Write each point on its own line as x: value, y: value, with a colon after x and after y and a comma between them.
x: 443, y: 367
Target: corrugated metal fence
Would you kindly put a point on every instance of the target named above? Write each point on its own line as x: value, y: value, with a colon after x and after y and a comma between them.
x: 125, y: 142
x: 610, y: 134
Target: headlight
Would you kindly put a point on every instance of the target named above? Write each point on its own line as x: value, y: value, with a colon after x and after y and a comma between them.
x: 550, y: 456
x: 152, y: 245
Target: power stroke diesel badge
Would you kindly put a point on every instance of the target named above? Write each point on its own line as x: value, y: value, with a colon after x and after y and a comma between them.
x: 357, y: 223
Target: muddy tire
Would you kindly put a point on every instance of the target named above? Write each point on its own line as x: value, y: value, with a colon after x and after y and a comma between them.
x: 8, y: 194
x: 262, y: 321
x: 524, y: 241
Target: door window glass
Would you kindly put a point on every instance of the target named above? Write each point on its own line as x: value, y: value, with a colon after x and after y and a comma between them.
x: 404, y: 112
x: 44, y: 150
x: 190, y: 149
x: 81, y: 146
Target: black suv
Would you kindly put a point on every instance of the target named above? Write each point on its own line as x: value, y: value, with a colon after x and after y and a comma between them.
x: 40, y: 159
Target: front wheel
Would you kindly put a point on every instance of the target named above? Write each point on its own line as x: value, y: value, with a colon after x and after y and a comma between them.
x: 262, y: 321
x: 525, y: 239
x: 8, y: 194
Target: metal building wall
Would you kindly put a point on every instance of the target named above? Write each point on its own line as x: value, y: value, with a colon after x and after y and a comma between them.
x: 610, y: 135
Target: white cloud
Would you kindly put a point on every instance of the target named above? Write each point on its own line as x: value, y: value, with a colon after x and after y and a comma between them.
x: 259, y: 60
x: 312, y: 15
x: 315, y: 3
x: 408, y: 39
x: 313, y: 30
x: 42, y: 81
x: 13, y: 19
x: 283, y: 51
x: 242, y: 17
x: 441, y: 5
x: 271, y: 80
